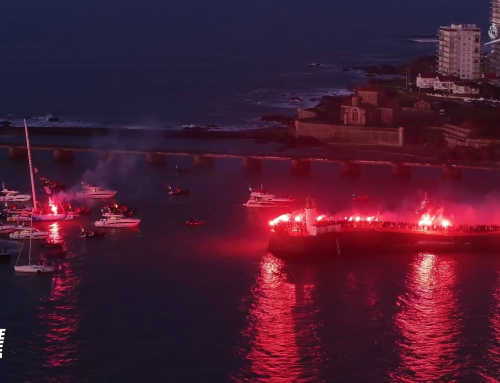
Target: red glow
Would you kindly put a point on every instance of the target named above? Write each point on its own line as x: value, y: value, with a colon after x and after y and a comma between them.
x: 428, y: 321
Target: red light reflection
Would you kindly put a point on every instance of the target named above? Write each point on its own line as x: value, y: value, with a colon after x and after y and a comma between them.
x: 429, y: 322
x: 59, y: 318
x: 281, y: 341
x: 55, y: 233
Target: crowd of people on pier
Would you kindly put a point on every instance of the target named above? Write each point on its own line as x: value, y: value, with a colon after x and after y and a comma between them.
x: 299, y: 226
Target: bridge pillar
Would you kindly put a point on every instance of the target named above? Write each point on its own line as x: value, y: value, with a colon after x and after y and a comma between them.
x: 300, y: 167
x: 252, y: 164
x: 401, y: 171
x: 156, y: 159
x: 452, y: 173
x: 203, y: 162
x: 18, y: 153
x: 350, y: 169
x: 63, y: 155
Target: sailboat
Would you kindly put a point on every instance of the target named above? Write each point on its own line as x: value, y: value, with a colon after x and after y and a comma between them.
x: 37, y: 214
x: 29, y: 268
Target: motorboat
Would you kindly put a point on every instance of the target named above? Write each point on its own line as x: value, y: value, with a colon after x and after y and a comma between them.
x: 6, y: 229
x: 19, y: 217
x: 95, y: 192
x: 262, y: 198
x: 14, y: 196
x: 18, y: 209
x: 177, y: 191
x: 28, y: 233
x: 118, y: 221
x: 194, y: 222
x: 114, y: 209
x: 40, y: 268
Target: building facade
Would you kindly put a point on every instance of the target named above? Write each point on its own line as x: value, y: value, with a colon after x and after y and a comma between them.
x: 494, y: 56
x: 459, y: 51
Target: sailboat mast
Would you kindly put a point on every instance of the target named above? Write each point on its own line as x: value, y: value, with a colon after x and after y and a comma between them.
x: 30, y: 164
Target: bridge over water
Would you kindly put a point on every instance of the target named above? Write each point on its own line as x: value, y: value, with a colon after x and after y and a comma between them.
x: 204, y: 152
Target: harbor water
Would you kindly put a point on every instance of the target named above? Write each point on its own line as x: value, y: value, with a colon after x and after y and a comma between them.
x: 169, y: 302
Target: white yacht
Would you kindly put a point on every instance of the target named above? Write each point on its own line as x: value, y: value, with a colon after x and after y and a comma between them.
x: 118, y: 221
x: 49, y: 217
x: 6, y: 229
x: 262, y: 198
x: 14, y: 196
x: 95, y: 192
x: 28, y: 233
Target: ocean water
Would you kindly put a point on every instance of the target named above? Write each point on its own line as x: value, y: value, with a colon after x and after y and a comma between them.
x: 168, y: 302
x: 165, y: 64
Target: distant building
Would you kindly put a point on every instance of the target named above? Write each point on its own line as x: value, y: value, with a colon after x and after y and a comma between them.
x: 489, y: 78
x: 494, y: 56
x: 368, y: 108
x: 426, y: 80
x: 466, y: 87
x: 445, y: 83
x: 459, y: 51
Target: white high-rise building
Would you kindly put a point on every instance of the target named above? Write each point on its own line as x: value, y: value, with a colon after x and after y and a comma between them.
x: 459, y: 51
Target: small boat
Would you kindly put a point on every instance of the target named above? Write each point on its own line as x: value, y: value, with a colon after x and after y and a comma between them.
x: 28, y: 233
x: 177, y: 191
x: 92, y: 234
x: 18, y: 209
x: 19, y: 217
x: 262, y: 198
x: 6, y: 229
x: 194, y: 222
x: 180, y: 169
x: 118, y: 221
x: 95, y: 192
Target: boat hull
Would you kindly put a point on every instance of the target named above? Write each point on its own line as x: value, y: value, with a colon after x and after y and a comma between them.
x: 34, y: 269
x: 370, y: 241
x: 49, y: 217
x: 116, y: 224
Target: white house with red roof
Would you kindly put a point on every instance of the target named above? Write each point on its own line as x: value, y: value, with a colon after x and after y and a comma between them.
x: 426, y: 80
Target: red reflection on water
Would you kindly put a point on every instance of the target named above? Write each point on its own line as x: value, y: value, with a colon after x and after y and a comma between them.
x: 429, y: 321
x: 59, y: 319
x: 55, y: 233
x: 281, y: 340
x: 494, y: 348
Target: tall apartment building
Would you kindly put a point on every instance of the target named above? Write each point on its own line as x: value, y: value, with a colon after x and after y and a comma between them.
x: 494, y: 56
x: 459, y: 50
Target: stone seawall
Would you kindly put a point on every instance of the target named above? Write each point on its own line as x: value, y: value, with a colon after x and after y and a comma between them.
x: 331, y: 133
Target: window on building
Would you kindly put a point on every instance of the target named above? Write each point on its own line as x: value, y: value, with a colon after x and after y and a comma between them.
x: 367, y: 96
x: 355, y: 115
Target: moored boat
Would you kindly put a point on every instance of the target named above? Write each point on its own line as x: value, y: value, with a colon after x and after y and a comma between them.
x: 28, y: 233
x: 118, y: 221
x: 95, y: 192
x: 262, y: 198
